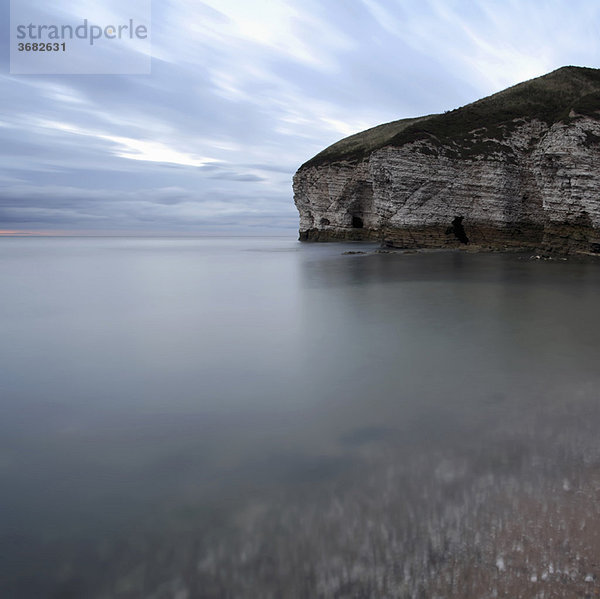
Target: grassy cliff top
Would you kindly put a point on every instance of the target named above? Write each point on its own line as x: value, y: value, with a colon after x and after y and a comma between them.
x: 549, y: 98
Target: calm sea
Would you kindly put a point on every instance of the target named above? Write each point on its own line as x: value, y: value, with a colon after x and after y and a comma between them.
x: 255, y: 417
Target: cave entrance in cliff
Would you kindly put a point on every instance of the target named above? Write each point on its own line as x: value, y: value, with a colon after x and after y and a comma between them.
x: 357, y: 222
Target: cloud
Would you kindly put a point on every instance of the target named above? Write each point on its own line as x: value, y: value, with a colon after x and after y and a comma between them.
x: 243, y: 92
x: 151, y: 209
x: 134, y: 149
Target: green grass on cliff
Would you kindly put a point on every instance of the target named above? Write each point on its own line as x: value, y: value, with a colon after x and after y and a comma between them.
x: 360, y: 144
x: 549, y: 98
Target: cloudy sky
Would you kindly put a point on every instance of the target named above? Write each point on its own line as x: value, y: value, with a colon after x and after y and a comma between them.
x: 244, y: 91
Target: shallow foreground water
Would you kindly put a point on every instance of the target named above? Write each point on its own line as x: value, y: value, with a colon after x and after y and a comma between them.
x: 255, y: 418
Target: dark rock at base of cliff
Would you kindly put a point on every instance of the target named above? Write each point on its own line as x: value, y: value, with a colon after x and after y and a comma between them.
x: 554, y: 238
x: 324, y: 235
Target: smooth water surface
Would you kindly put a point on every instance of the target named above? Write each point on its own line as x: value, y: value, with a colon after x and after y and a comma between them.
x: 178, y: 414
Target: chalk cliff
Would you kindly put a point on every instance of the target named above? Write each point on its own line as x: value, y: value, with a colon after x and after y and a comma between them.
x: 516, y: 170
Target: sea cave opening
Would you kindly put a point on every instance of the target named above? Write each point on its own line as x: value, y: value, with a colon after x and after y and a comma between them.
x: 357, y: 222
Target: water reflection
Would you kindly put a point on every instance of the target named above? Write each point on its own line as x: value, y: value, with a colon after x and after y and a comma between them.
x: 211, y: 418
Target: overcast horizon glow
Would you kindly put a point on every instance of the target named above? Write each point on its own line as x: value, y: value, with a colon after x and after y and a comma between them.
x: 244, y: 91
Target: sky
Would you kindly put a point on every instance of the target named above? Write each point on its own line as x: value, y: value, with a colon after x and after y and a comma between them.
x: 242, y: 92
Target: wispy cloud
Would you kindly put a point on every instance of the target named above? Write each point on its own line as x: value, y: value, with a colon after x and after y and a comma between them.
x: 134, y: 149
x: 243, y: 91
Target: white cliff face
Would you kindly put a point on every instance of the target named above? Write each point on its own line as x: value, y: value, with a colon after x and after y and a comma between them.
x: 538, y: 186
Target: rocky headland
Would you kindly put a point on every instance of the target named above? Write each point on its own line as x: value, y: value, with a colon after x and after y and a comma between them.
x: 518, y: 170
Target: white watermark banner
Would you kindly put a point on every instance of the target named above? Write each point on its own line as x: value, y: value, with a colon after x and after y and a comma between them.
x: 110, y: 37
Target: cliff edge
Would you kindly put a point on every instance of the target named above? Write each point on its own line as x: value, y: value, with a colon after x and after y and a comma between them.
x: 517, y: 170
